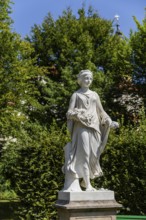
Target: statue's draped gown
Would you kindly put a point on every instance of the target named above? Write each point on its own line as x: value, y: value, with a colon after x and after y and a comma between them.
x: 89, y: 132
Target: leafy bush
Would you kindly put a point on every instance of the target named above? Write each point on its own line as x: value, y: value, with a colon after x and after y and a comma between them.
x: 124, y: 166
x: 6, y: 193
x: 33, y: 164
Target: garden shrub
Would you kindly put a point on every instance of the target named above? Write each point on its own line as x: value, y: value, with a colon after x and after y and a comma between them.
x: 33, y: 164
x: 124, y: 166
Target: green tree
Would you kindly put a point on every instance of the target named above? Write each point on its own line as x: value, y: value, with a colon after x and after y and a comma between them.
x: 64, y: 47
x: 18, y: 76
x: 69, y: 44
x: 138, y: 57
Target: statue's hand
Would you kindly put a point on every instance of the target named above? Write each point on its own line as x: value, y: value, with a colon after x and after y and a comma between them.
x: 108, y: 122
x: 114, y: 124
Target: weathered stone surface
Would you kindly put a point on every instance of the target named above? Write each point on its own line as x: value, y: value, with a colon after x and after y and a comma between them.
x: 87, y: 196
x: 87, y: 205
x: 89, y: 126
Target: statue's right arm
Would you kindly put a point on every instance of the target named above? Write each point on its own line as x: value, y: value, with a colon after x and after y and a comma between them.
x: 71, y: 114
x: 72, y: 102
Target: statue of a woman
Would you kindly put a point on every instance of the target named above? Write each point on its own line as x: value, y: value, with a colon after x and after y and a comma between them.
x: 89, y: 126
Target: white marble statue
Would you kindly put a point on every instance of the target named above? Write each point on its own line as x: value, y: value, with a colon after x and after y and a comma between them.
x: 89, y: 126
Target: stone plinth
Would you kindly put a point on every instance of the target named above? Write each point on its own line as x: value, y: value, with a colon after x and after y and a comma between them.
x: 99, y: 205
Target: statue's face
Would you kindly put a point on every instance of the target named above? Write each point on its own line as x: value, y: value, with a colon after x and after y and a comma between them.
x: 86, y: 80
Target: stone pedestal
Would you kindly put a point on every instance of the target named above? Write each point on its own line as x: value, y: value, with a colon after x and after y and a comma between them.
x: 99, y: 205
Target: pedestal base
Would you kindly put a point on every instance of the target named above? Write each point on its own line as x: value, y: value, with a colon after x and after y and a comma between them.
x: 99, y: 205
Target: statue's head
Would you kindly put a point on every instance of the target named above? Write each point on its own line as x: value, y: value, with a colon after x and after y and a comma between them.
x: 82, y: 74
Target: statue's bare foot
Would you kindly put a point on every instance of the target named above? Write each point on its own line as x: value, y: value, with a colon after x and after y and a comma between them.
x: 91, y: 189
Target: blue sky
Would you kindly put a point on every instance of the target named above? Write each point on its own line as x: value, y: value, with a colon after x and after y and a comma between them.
x: 26, y: 13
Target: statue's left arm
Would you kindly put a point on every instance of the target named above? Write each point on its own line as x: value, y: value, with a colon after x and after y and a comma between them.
x: 105, y: 118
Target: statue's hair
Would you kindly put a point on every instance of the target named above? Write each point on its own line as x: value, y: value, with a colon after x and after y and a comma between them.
x: 82, y: 73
